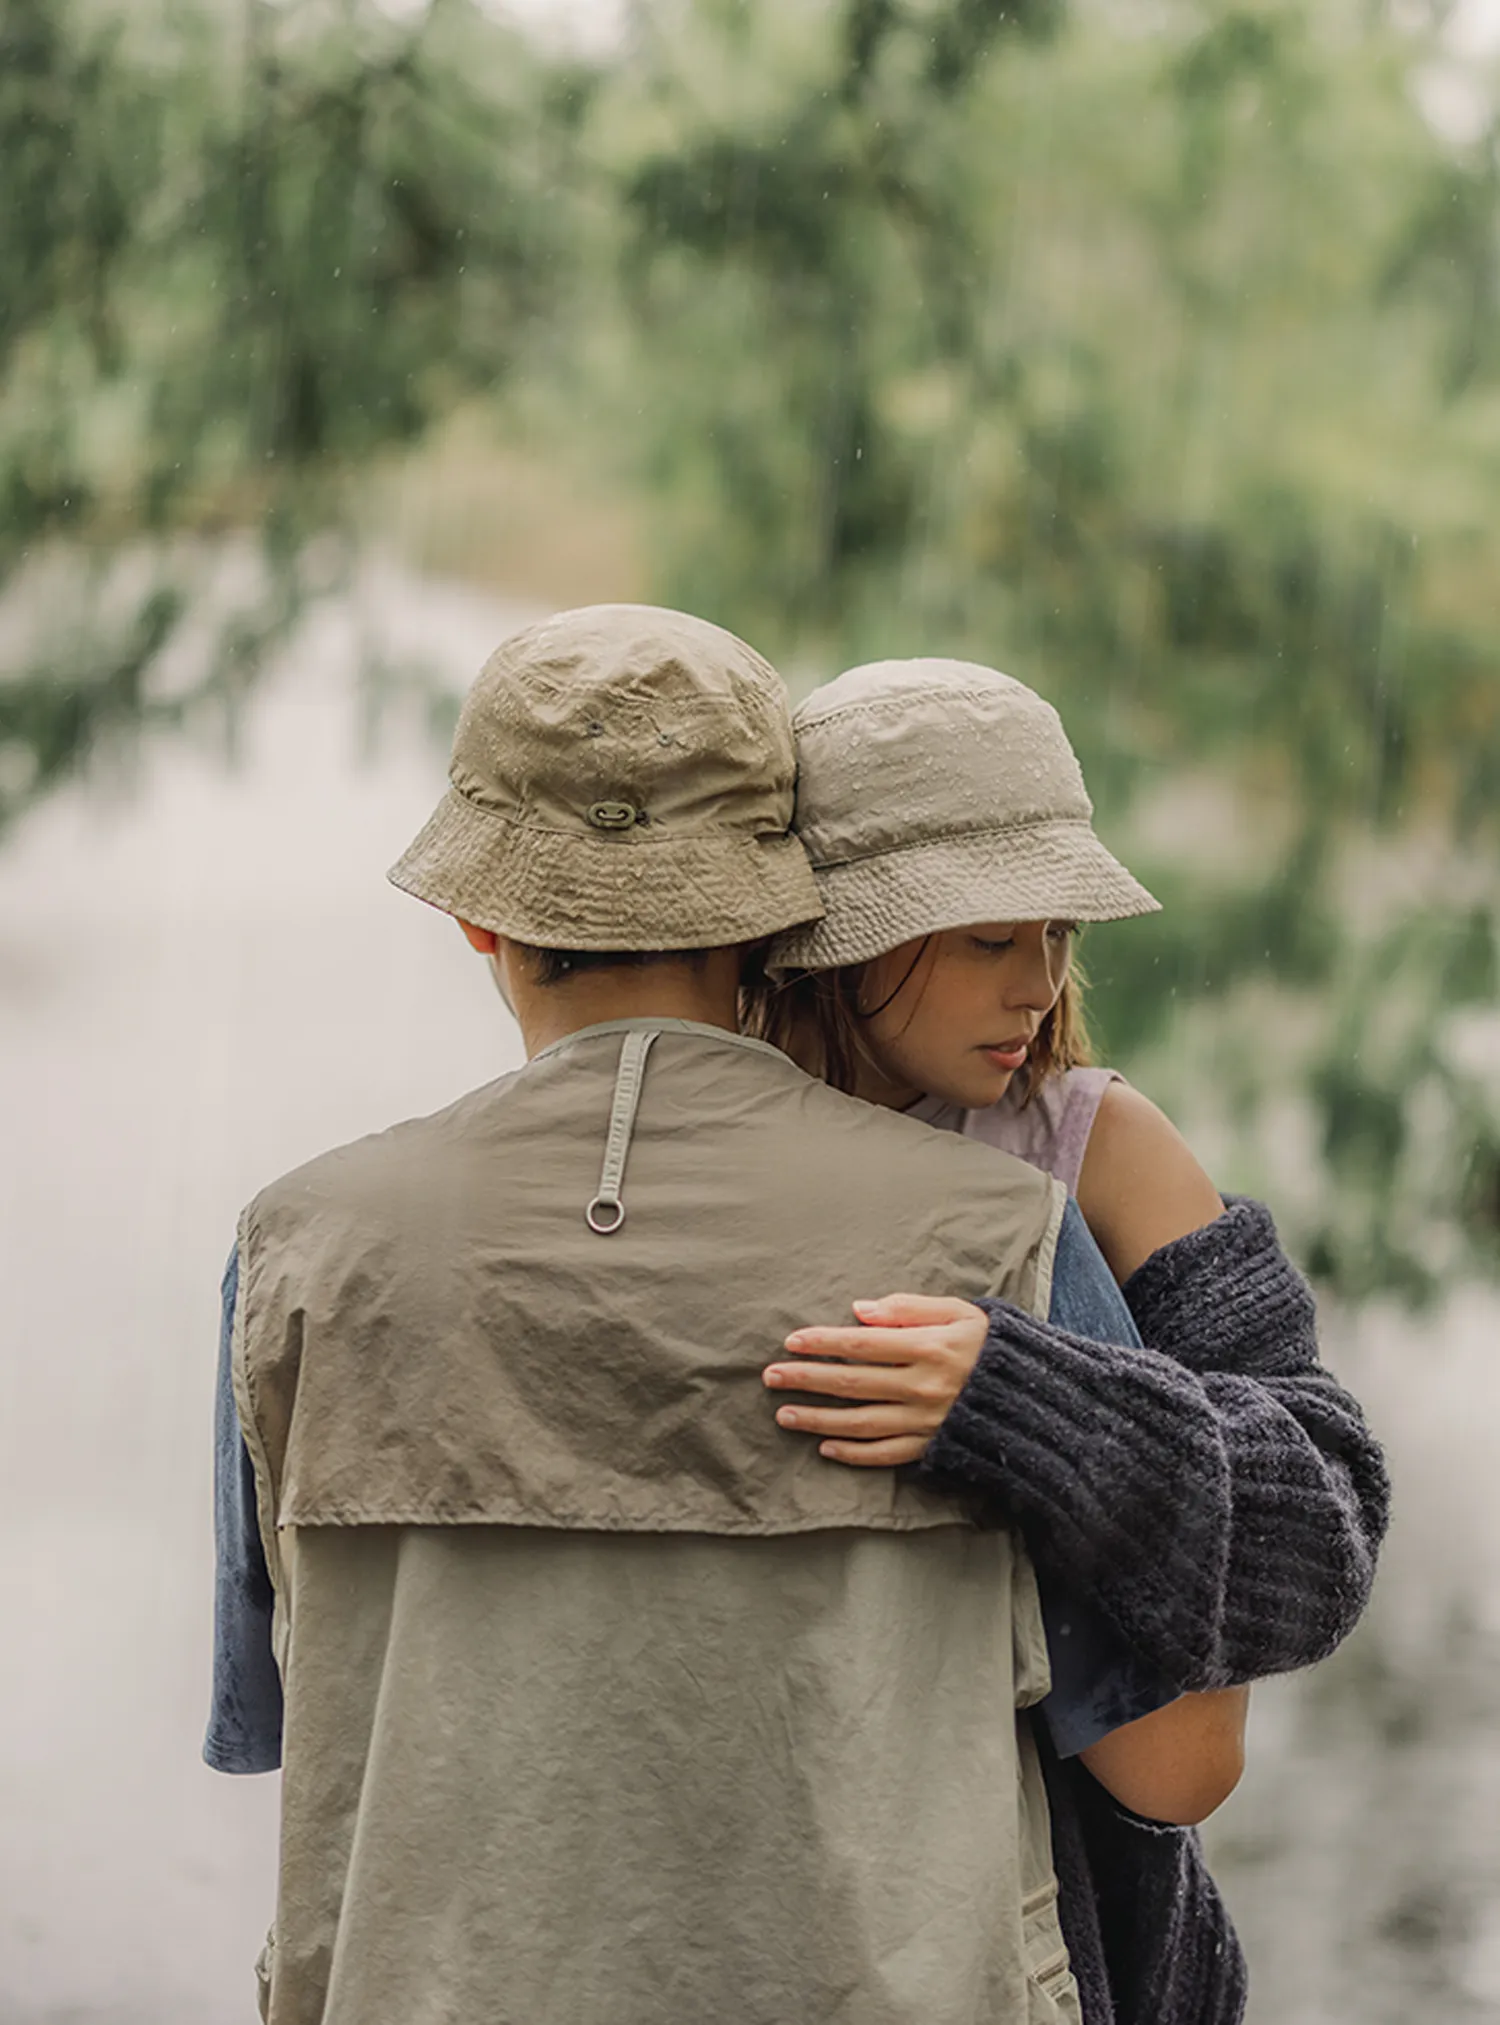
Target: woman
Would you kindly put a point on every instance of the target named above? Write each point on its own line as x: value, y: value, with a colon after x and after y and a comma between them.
x: 1221, y: 1502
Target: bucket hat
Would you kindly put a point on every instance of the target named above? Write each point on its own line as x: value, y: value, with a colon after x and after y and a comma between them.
x: 935, y: 793
x: 622, y: 778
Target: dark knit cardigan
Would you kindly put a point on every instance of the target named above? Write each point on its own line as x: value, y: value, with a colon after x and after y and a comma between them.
x: 1220, y: 1501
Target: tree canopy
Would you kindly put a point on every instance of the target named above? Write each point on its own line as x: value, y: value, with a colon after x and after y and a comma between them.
x: 1150, y: 354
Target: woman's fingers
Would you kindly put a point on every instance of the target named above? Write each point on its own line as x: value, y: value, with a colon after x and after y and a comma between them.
x: 867, y: 1346
x: 871, y: 1455
x: 905, y: 1366
x: 909, y: 1311
x: 860, y: 1423
x: 844, y: 1381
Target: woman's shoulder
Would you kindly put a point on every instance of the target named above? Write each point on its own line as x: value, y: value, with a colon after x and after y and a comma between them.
x: 1140, y: 1185
x: 1136, y: 1179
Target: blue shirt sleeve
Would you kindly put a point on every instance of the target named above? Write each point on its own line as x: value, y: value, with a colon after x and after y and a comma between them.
x: 1098, y: 1683
x: 244, y: 1723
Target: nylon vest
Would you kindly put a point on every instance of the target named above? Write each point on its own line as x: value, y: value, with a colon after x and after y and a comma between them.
x: 608, y: 1701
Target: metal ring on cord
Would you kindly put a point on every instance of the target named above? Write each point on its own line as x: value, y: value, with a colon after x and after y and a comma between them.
x: 606, y: 1213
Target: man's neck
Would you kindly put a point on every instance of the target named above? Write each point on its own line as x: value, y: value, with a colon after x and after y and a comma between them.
x: 707, y: 994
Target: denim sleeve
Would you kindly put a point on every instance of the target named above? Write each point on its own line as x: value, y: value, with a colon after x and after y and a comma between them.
x: 1097, y: 1682
x: 244, y: 1723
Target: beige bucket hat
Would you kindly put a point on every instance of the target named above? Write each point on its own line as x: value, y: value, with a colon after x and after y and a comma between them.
x: 936, y: 793
x: 622, y: 778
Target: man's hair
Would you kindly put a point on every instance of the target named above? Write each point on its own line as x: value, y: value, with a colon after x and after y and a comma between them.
x: 552, y: 966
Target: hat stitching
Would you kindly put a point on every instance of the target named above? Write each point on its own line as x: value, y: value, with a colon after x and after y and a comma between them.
x: 844, y: 937
x: 870, y: 706
x: 925, y: 842
x: 638, y: 833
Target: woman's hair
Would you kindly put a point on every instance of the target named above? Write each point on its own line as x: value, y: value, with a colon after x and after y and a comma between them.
x: 815, y: 1017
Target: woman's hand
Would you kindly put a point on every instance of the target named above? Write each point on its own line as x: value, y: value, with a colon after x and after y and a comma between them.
x: 907, y: 1362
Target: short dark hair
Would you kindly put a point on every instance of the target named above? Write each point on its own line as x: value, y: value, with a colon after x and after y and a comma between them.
x: 552, y: 966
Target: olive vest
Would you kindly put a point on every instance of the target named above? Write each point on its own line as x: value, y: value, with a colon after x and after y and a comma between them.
x: 608, y: 1701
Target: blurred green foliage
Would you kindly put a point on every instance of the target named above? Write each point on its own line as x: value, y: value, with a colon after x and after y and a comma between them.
x: 243, y: 251
x: 1152, y: 354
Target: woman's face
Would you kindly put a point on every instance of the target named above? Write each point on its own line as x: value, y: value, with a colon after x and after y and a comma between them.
x: 956, y: 1018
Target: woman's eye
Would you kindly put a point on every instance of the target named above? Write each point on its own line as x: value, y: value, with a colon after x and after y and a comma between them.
x: 1062, y: 931
x: 992, y: 948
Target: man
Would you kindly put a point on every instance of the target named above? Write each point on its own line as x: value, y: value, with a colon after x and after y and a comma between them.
x: 606, y: 1699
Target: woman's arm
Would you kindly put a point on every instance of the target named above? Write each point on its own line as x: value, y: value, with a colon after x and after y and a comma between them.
x: 1180, y: 1762
x: 1173, y: 1771
x: 1141, y: 1186
x: 1217, y: 1496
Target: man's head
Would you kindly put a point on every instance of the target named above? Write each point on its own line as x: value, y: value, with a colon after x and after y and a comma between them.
x: 621, y: 789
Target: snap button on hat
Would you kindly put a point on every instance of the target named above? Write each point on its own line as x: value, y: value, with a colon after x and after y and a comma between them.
x: 612, y: 815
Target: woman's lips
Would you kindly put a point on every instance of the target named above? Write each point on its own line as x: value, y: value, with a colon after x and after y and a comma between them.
x: 1009, y: 1056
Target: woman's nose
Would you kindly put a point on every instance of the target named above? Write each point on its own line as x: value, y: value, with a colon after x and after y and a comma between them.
x: 1036, y: 982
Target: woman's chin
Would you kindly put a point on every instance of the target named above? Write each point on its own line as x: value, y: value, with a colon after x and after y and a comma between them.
x: 974, y: 1088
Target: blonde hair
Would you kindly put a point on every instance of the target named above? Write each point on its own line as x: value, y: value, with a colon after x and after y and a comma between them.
x: 815, y: 1017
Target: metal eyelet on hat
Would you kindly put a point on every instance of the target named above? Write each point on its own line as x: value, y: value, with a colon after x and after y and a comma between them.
x: 612, y: 815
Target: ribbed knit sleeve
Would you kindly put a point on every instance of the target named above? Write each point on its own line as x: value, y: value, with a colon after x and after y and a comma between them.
x: 1217, y: 1496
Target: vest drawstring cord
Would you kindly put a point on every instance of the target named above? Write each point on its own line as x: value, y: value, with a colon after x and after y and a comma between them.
x: 606, y: 1212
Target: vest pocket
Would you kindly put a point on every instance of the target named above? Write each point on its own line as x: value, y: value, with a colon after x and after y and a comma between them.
x: 1051, y: 1992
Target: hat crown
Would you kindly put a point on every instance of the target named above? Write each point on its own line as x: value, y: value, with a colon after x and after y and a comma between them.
x: 933, y: 794
x: 613, y: 716
x: 622, y: 778
x: 897, y: 754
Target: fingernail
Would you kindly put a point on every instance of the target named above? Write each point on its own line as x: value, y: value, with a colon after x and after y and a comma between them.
x: 865, y: 1307
x: 774, y: 1375
x: 788, y: 1416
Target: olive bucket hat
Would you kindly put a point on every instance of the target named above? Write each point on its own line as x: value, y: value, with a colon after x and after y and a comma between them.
x: 932, y: 794
x: 622, y: 778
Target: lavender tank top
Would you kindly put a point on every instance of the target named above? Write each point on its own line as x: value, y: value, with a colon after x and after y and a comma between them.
x: 1051, y: 1132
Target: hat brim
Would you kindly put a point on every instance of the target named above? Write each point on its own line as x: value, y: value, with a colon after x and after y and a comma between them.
x: 1049, y: 871
x: 557, y: 889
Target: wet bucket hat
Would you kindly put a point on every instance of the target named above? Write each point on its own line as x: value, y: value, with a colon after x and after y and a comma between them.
x: 622, y: 778
x: 935, y: 793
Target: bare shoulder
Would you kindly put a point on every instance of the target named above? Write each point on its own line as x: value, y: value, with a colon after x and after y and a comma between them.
x: 1141, y: 1184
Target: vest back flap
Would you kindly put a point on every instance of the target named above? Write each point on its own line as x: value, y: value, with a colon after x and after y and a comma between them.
x: 430, y: 1333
